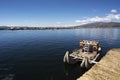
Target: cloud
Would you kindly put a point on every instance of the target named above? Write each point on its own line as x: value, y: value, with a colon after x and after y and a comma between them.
x: 108, y: 17
x: 58, y: 22
x: 114, y: 11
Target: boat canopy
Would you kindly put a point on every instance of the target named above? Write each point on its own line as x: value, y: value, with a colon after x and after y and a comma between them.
x: 95, y: 44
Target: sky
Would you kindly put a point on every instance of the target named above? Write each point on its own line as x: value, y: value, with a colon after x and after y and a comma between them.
x: 57, y: 12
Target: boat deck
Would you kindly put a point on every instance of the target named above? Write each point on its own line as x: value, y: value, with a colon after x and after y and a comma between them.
x: 79, y: 54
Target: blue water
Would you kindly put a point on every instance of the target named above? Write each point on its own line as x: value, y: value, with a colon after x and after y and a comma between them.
x: 38, y: 54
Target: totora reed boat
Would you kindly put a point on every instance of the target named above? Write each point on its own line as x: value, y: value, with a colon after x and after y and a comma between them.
x: 87, y: 54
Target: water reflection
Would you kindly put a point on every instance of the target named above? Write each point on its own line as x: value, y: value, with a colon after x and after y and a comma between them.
x: 38, y: 54
x: 99, y: 33
x: 7, y: 71
x: 72, y: 72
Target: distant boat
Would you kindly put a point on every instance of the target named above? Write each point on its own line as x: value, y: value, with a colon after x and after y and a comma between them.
x: 87, y: 54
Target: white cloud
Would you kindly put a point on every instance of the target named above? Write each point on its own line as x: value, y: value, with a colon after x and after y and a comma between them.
x: 114, y: 11
x: 58, y: 22
x: 108, y: 17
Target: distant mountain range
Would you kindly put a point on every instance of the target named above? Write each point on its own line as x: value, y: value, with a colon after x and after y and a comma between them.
x: 90, y: 25
x: 100, y: 25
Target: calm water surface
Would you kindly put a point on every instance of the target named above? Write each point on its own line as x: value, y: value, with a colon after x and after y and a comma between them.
x: 38, y: 54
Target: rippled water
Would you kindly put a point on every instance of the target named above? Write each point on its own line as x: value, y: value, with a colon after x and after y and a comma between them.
x: 38, y: 54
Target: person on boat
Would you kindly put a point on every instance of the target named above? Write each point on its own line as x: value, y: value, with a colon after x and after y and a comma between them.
x: 87, y: 48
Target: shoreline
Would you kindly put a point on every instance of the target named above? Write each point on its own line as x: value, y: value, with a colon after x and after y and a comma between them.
x: 49, y: 28
x: 90, y: 25
x: 108, y: 68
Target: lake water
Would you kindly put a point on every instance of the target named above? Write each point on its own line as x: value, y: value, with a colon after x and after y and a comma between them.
x: 38, y: 54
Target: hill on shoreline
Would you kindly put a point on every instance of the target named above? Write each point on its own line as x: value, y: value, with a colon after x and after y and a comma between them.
x: 90, y: 25
x: 100, y: 25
